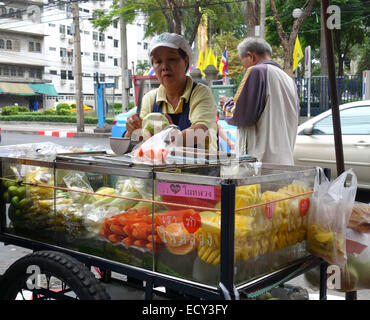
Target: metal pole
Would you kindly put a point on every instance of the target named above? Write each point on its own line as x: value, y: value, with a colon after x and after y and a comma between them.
x: 124, y: 64
x: 333, y: 92
x: 309, y: 97
x: 227, y: 235
x: 78, y: 68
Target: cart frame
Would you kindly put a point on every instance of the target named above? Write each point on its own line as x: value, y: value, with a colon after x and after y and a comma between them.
x: 148, y: 280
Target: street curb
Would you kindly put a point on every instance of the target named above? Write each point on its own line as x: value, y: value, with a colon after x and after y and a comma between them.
x: 59, y: 134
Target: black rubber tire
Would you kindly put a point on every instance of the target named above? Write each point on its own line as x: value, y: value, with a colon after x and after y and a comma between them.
x: 59, y: 265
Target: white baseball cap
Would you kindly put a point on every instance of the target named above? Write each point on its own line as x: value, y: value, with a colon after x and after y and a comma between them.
x: 171, y: 40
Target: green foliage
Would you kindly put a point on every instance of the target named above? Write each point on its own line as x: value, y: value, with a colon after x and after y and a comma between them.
x: 364, y: 54
x: 49, y: 112
x: 235, y: 67
x: 142, y: 67
x: 63, y: 109
x: 13, y: 110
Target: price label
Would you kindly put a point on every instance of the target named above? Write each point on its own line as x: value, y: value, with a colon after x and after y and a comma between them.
x: 270, y: 210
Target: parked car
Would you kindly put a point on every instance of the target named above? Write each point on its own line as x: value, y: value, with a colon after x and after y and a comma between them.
x: 72, y: 106
x: 119, y: 128
x: 315, y: 141
x: 119, y: 123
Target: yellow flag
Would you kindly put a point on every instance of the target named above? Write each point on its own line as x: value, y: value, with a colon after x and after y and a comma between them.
x: 200, y: 63
x: 211, y: 59
x: 200, y: 59
x: 297, y: 53
x: 221, y: 66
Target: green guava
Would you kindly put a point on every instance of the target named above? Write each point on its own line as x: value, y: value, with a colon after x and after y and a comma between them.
x: 154, y: 122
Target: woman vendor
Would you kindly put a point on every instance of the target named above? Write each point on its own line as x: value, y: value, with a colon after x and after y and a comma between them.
x: 186, y: 103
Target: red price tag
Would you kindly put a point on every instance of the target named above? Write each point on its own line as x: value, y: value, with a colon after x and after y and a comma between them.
x: 270, y: 209
x: 192, y: 222
x: 304, y: 205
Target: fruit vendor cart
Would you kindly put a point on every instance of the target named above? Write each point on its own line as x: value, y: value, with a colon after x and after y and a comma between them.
x: 224, y: 228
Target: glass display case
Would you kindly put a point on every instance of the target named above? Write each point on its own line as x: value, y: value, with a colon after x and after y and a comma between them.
x: 227, y: 221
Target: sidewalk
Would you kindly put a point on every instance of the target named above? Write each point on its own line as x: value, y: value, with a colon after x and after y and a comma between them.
x: 55, y: 129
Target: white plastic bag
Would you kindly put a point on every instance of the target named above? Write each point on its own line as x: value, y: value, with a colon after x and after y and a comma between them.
x: 155, y: 149
x: 331, y: 207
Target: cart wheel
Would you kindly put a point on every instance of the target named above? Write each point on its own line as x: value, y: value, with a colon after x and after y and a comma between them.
x: 50, y: 275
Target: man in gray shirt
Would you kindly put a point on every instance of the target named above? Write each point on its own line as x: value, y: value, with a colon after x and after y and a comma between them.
x: 265, y: 107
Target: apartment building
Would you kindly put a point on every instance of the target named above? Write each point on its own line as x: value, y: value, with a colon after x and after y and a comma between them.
x: 44, y: 47
x: 22, y: 62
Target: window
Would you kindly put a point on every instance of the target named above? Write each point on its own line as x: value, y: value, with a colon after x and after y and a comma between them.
x: 95, y: 35
x: 62, y: 28
x: 145, y: 46
x: 32, y: 73
x: 102, y: 57
x: 87, y: 54
x: 115, y: 43
x: 115, y: 24
x: 102, y: 77
x: 70, y: 75
x: 69, y: 30
x: 52, y: 25
x: 54, y: 72
x: 38, y: 47
x: 31, y: 46
x: 21, y: 72
x: 4, y: 12
x: 52, y: 49
x: 101, y: 36
x: 63, y: 52
x: 39, y: 74
x: 115, y: 62
x: 13, y: 71
x: 11, y: 13
x: 86, y: 32
x: 9, y: 44
x: 63, y: 74
x: 353, y: 121
x: 6, y: 71
x: 18, y: 14
x: 95, y: 56
x: 2, y: 44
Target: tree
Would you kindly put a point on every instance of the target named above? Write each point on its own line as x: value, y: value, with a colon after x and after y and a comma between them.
x: 142, y: 67
x: 354, y: 24
x: 251, y: 15
x: 175, y: 16
x: 288, y: 40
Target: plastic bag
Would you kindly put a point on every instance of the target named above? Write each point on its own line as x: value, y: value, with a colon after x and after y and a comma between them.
x: 332, y: 203
x: 155, y: 149
x: 79, y: 181
x: 354, y: 275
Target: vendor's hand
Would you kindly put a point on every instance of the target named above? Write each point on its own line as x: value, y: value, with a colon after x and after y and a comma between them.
x: 133, y: 122
x: 222, y: 100
x: 168, y: 118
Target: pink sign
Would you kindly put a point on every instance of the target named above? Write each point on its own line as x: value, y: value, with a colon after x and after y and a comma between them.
x: 186, y: 190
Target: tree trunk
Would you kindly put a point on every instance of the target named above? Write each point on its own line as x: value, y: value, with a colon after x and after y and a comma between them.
x: 251, y: 14
x: 288, y: 41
